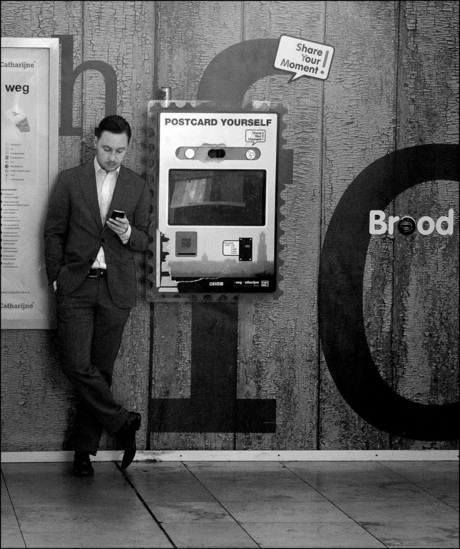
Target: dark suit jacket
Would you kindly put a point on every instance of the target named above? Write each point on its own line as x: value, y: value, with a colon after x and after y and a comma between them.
x: 74, y: 232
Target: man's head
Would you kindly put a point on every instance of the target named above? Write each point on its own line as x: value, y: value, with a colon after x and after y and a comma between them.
x: 111, y: 141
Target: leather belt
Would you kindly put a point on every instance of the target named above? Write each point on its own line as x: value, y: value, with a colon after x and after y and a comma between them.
x: 97, y: 273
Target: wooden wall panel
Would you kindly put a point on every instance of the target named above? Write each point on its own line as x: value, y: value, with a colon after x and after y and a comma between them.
x: 121, y: 34
x: 359, y: 127
x: 279, y: 338
x: 426, y: 293
x: 37, y: 400
x: 189, y: 36
x: 171, y: 372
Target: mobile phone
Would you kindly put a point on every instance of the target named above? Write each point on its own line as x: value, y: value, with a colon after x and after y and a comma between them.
x: 117, y: 213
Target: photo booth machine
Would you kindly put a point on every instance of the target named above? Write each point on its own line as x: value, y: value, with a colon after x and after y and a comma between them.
x: 215, y: 177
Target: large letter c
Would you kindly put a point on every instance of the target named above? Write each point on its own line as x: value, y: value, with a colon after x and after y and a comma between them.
x: 341, y: 321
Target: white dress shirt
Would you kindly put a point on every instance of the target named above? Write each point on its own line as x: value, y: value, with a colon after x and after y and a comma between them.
x: 105, y: 182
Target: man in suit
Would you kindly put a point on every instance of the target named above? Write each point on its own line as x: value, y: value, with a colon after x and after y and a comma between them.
x: 90, y: 261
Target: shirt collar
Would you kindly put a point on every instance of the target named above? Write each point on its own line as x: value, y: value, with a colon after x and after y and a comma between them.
x: 97, y: 167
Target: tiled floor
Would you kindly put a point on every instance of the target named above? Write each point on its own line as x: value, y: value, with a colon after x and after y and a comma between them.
x: 232, y: 504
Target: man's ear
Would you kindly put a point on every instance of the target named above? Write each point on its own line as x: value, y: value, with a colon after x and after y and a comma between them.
x: 95, y: 141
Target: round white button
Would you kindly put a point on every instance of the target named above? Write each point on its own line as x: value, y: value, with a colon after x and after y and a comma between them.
x: 189, y: 153
x: 250, y: 154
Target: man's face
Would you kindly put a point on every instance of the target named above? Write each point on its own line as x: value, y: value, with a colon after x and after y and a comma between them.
x: 111, y: 149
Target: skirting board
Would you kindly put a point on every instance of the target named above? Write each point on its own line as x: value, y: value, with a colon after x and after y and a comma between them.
x: 241, y: 455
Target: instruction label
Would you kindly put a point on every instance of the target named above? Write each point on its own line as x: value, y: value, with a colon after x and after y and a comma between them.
x: 231, y: 247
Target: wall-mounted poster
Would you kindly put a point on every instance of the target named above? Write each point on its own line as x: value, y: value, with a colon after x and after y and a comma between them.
x: 29, y: 148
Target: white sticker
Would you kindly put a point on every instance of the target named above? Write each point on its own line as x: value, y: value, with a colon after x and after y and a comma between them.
x: 303, y: 58
x: 255, y: 136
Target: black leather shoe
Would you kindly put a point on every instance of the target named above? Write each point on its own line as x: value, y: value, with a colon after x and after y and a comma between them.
x: 82, y: 465
x: 127, y: 437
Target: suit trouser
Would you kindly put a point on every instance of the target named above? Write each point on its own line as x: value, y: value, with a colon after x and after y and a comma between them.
x: 90, y: 328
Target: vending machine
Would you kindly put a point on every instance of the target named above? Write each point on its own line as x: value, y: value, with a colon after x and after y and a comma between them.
x: 216, y: 185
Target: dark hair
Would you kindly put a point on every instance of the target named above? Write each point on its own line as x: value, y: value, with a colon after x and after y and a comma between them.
x: 114, y: 124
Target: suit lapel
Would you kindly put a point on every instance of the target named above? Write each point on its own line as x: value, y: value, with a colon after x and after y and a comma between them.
x: 88, y: 185
x: 121, y: 188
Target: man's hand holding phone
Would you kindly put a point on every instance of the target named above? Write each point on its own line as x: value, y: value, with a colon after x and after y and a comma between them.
x: 118, y: 222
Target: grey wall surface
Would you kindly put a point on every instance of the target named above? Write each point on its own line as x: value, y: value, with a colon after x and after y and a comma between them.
x: 393, y: 85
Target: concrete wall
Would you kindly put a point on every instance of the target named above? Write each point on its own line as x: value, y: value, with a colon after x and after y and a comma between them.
x: 393, y: 86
